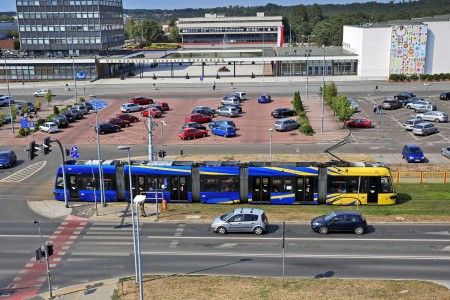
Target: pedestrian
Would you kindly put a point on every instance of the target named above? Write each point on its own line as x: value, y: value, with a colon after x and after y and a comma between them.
x: 141, y: 205
x: 375, y: 108
x: 380, y: 109
x: 214, y: 85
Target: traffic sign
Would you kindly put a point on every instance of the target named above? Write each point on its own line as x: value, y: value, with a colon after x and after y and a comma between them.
x: 31, y: 125
x: 74, y: 154
x: 74, y: 149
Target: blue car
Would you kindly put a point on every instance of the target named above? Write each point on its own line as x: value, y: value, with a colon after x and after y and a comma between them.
x: 221, y: 122
x: 264, y: 98
x: 413, y: 153
x: 7, y: 159
x: 224, y: 130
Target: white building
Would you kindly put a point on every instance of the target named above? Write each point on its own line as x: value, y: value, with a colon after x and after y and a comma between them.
x: 417, y: 46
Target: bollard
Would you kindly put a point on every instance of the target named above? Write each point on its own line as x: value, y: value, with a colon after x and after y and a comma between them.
x: 181, y: 152
x: 164, y: 204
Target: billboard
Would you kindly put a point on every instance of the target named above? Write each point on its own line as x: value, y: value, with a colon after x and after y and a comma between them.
x: 408, y: 49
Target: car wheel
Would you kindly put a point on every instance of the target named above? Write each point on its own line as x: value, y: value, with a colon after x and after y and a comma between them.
x: 118, y: 129
x: 323, y: 230
x: 126, y: 125
x: 127, y: 110
x: 221, y: 230
x: 359, y: 230
x: 425, y: 133
x: 102, y: 132
x: 188, y: 138
x: 258, y: 230
x: 438, y: 121
x: 285, y: 129
x: 408, y: 106
x: 135, y: 120
x: 419, y: 118
x: 141, y: 109
x: 203, y: 136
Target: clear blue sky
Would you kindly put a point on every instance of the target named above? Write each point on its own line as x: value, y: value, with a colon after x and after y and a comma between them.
x: 10, y: 5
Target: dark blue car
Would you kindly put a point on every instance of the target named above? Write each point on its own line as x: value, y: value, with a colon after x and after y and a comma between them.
x: 221, y: 122
x: 413, y: 153
x: 340, y: 221
x: 264, y: 98
x: 7, y: 159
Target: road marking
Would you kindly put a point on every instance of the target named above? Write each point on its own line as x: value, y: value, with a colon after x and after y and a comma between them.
x: 23, y: 174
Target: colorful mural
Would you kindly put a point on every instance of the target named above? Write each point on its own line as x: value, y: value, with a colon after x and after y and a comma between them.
x: 408, y: 49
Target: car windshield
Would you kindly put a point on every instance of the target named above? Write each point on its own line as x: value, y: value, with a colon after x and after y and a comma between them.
x: 227, y: 216
x: 415, y: 150
x: 3, y: 155
x: 329, y: 217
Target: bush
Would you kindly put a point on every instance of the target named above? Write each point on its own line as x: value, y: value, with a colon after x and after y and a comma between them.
x: 55, y: 110
x: 187, y: 76
x: 436, y: 77
x: 306, y: 128
x: 414, y: 77
x: 81, y: 100
x: 217, y: 76
x: 402, y: 77
x: 131, y: 73
x: 393, y: 77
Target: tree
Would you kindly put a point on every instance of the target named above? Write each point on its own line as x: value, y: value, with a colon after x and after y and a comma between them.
x: 174, y: 34
x: 48, y: 96
x: 151, y: 30
x: 330, y: 93
x: 12, y: 34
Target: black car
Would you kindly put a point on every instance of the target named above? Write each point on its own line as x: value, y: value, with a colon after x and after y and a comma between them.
x: 7, y: 159
x: 89, y: 106
x: 76, y: 113
x: 350, y: 221
x: 444, y: 96
x: 107, y: 128
x: 24, y: 108
x: 70, y: 117
x: 404, y: 95
x: 6, y: 120
x: 60, y: 120
x: 158, y: 107
x: 237, y: 106
x: 193, y: 125
x: 204, y: 111
x: 283, y: 112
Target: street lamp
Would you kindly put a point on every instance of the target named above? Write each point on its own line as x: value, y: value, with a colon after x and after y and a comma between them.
x: 132, y: 209
x: 100, y: 171
x: 323, y: 86
x: 162, y: 136
x: 74, y: 74
x: 270, y: 144
x: 46, y: 259
x: 9, y: 98
x: 138, y: 200
x: 150, y: 134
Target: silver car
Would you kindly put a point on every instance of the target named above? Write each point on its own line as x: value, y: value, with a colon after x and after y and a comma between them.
x: 228, y: 111
x: 286, y: 124
x: 425, y: 108
x: 446, y: 152
x: 130, y: 107
x: 409, y: 125
x: 424, y: 128
x: 230, y: 100
x: 434, y: 116
x: 241, y: 220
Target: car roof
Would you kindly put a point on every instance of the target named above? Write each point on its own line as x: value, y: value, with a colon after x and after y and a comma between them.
x: 248, y: 211
x: 6, y: 152
x: 347, y: 212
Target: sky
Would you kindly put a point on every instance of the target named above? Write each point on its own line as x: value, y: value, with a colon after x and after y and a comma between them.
x: 10, y: 5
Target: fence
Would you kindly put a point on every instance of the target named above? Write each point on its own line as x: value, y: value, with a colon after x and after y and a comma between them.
x: 421, y: 177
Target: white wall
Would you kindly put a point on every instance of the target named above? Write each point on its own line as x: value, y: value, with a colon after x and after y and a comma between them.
x: 438, y: 41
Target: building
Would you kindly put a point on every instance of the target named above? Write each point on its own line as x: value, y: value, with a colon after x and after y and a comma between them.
x: 63, y: 27
x: 218, y: 29
x: 416, y: 46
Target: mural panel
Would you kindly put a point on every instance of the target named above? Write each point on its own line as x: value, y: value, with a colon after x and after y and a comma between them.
x: 408, y: 49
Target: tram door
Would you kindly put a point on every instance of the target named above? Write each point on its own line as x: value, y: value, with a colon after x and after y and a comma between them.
x: 372, y: 197
x: 73, y: 186
x: 178, y: 190
x: 305, y: 191
x: 261, y: 189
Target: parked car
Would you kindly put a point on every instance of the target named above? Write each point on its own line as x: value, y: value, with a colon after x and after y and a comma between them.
x: 89, y: 106
x: 191, y: 133
x: 409, y: 125
x: 70, y: 117
x: 353, y: 104
x: 340, y: 221
x: 76, y: 113
x: 404, y: 95
x: 224, y: 130
x: 128, y: 117
x: 424, y: 128
x: 61, y: 121
x: 24, y: 107
x: 81, y: 107
x: 446, y: 152
x: 283, y: 112
x: 391, y: 104
x: 231, y: 100
x: 156, y: 113
x: 130, y: 107
x: 203, y: 111
x: 40, y: 93
x: 6, y: 120
x: 7, y: 159
x: 242, y: 220
x: 425, y: 108
x: 141, y: 100
x: 286, y: 124
x: 49, y: 127
x: 157, y: 106
x: 6, y: 100
x: 194, y: 125
x: 118, y: 122
x: 264, y: 98
x: 199, y: 118
x: 237, y: 106
x: 228, y: 111
x: 103, y: 128
x: 436, y: 116
x: 358, y: 123
x: 413, y: 153
x: 164, y: 105
x: 241, y: 95
x: 415, y: 104
x: 222, y: 122
x: 206, y: 108
x: 444, y: 96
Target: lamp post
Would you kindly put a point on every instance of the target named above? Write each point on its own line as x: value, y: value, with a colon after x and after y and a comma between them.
x: 9, y: 98
x: 138, y: 200
x: 132, y: 210
x: 46, y: 259
x: 150, y: 135
x: 162, y: 137
x: 74, y: 75
x: 323, y: 86
x: 100, y: 170
x: 270, y: 144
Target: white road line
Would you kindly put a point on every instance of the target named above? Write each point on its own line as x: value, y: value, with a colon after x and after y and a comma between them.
x: 23, y: 174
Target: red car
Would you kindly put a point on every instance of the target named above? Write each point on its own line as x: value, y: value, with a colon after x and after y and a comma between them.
x: 164, y: 105
x: 199, y: 118
x: 156, y: 113
x: 118, y: 122
x: 141, y: 100
x: 128, y: 117
x: 358, y: 123
x: 192, y: 133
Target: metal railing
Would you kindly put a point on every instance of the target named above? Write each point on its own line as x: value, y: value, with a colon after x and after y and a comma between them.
x: 421, y: 177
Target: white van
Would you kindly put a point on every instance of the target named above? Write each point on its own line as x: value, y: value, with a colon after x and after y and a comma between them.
x: 242, y: 95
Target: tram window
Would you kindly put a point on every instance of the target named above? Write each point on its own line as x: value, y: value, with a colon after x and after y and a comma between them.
x: 338, y: 186
x: 86, y: 183
x: 209, y: 185
x: 109, y: 182
x: 219, y: 184
x: 386, y: 186
x: 60, y: 182
x: 163, y: 183
x: 276, y: 183
x: 353, y: 186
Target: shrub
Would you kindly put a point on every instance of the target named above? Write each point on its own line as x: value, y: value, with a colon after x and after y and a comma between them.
x: 217, y: 76
x: 402, y: 77
x: 393, y: 77
x: 131, y: 73
x: 55, y: 110
x: 414, y: 77
x: 306, y: 128
x: 81, y: 100
x: 187, y: 76
x: 435, y: 77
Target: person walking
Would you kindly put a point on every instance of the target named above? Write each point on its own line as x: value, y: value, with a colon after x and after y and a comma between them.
x: 375, y: 107
x: 214, y: 85
x: 141, y: 206
x: 380, y: 109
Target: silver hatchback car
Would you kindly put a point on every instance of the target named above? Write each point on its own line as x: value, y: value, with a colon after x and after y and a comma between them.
x: 286, y: 124
x: 241, y: 220
x: 228, y: 111
x: 424, y: 128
